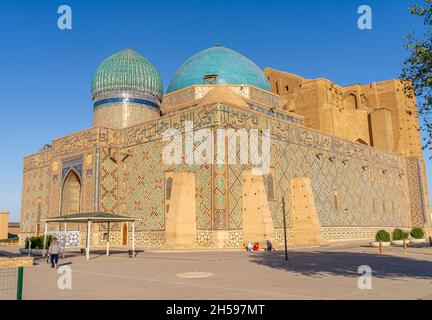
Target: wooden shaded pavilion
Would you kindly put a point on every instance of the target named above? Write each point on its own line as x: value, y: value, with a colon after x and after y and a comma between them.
x: 89, y: 218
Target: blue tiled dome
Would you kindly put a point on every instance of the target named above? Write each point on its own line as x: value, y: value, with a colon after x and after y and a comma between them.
x: 127, y: 72
x: 229, y: 66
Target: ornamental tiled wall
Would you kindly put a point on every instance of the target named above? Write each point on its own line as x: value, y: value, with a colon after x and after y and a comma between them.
x: 43, y: 175
x: 137, y: 186
x: 35, y: 200
x: 351, y: 187
x: 357, y: 189
x: 418, y: 192
x: 147, y: 239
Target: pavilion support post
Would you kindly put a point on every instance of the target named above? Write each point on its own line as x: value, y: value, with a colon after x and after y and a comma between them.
x: 108, y: 239
x: 45, y: 238
x: 133, y: 239
x: 64, y: 239
x: 88, y: 238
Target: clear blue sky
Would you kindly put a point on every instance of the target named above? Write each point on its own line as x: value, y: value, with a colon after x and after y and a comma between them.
x: 45, y: 73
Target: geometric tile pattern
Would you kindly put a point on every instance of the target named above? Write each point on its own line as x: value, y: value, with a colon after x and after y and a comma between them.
x: 220, y: 201
x: 205, y: 239
x: 369, y: 193
x: 72, y: 238
x: 357, y: 188
x: 35, y: 191
x: 136, y: 187
x: 109, y: 180
x: 354, y: 233
x: 235, y: 238
x: 144, y: 186
x: 235, y: 196
x: 416, y: 192
x: 69, y: 164
x: 280, y: 236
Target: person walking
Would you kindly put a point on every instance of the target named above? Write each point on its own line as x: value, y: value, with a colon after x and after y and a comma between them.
x: 54, y: 251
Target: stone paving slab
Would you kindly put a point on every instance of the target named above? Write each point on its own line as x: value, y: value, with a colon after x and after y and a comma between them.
x: 328, y: 272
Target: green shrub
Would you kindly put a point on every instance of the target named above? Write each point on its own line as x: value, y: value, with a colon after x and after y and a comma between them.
x: 48, y: 240
x: 34, y: 242
x: 382, y: 236
x: 12, y: 236
x: 417, y: 233
x: 399, y: 234
x: 37, y: 242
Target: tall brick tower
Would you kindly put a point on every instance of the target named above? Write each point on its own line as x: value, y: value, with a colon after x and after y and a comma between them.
x: 378, y: 114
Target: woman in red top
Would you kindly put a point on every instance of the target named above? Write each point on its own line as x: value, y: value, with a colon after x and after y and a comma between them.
x: 256, y: 246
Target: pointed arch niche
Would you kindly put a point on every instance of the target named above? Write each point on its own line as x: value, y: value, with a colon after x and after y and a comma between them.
x: 71, y: 193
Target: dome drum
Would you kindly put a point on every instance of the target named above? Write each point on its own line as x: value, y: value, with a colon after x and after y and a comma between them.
x: 130, y: 95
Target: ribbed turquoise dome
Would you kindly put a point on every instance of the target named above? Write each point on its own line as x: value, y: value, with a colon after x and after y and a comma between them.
x: 230, y: 67
x: 127, y: 73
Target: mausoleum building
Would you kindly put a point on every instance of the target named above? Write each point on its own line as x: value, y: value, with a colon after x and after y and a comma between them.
x: 347, y: 160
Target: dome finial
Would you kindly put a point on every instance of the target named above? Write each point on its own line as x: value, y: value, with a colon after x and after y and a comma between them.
x: 218, y: 44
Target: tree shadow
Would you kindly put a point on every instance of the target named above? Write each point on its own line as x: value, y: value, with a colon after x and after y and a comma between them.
x: 323, y: 263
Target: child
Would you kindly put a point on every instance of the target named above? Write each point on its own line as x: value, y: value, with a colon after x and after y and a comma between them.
x: 249, y: 247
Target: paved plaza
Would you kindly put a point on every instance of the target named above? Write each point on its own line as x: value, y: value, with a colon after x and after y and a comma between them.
x: 327, y: 272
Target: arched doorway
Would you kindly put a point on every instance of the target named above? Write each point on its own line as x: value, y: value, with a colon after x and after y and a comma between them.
x: 351, y: 102
x: 71, y: 194
x: 124, y: 234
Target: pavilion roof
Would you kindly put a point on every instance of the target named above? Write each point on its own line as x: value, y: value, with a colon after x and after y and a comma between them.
x: 91, y: 216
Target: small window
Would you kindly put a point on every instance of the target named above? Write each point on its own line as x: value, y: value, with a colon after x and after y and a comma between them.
x: 210, y: 78
x: 335, y: 200
x: 168, y: 188
x: 286, y: 88
x: 39, y: 210
x: 270, y: 187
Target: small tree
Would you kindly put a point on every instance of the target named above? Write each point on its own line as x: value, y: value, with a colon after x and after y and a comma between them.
x: 382, y: 236
x: 416, y: 73
x: 417, y: 233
